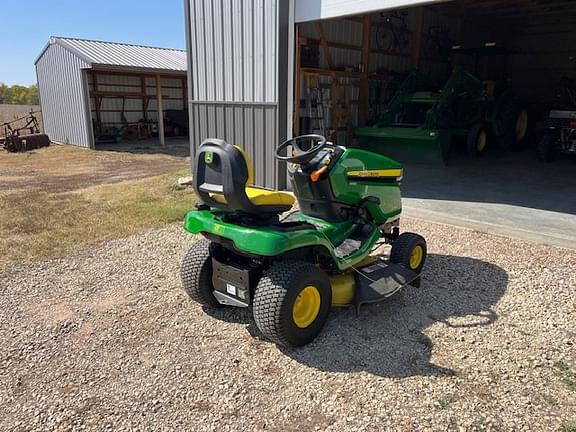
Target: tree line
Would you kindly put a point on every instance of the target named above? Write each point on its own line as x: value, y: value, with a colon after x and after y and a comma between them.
x: 18, y: 95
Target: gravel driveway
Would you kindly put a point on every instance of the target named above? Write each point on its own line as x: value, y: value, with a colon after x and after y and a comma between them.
x: 105, y: 339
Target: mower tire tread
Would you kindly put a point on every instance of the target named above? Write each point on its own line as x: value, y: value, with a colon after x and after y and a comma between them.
x: 274, y: 296
x: 402, y: 250
x: 196, y: 274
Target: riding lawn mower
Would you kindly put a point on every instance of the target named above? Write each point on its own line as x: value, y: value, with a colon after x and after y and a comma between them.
x: 291, y: 267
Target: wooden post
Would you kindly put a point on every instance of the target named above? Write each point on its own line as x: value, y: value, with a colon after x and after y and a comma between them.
x: 417, y: 48
x: 364, y: 84
x: 97, y: 100
x: 324, y: 45
x: 160, y: 111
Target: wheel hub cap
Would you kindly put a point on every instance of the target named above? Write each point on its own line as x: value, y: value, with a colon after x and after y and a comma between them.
x: 306, y: 307
x: 521, y: 125
x: 416, y: 257
x: 481, y: 145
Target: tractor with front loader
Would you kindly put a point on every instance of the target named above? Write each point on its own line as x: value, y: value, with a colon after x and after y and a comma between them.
x: 422, y: 122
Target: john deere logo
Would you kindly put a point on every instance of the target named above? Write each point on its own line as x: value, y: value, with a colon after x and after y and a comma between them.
x: 208, y: 156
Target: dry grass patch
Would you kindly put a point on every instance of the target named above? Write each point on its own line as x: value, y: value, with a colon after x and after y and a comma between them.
x: 40, y: 224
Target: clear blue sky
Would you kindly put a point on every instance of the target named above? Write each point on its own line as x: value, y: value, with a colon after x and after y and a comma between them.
x: 26, y: 27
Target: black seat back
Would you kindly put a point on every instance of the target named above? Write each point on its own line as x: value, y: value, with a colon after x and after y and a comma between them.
x: 221, y: 169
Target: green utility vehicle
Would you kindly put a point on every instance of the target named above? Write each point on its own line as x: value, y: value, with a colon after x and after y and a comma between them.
x: 421, y: 123
x: 292, y: 269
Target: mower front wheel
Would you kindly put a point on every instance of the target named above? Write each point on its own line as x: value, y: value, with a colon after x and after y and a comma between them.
x: 409, y: 250
x: 292, y: 302
x: 196, y: 274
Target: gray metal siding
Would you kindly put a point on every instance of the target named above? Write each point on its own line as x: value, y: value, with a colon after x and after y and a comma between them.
x: 63, y: 96
x: 234, y: 56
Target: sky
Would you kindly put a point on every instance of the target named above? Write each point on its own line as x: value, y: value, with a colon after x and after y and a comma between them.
x: 27, y: 25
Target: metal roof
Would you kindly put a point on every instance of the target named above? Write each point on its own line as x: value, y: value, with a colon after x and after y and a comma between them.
x: 122, y: 56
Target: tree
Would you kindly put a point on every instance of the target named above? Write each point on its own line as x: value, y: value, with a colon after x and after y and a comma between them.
x: 18, y: 95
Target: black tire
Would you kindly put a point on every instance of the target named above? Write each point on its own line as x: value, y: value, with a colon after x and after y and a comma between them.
x: 403, y: 248
x: 508, y: 115
x: 476, y: 140
x: 196, y: 274
x: 276, y: 295
x: 545, y: 148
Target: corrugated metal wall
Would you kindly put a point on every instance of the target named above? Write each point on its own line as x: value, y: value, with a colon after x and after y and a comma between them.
x: 63, y: 95
x: 543, y: 56
x: 233, y: 49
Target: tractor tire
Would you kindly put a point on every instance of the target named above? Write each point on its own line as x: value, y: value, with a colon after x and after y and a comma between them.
x: 476, y: 141
x: 512, y: 124
x: 292, y: 302
x: 409, y: 250
x: 545, y: 148
x: 196, y: 274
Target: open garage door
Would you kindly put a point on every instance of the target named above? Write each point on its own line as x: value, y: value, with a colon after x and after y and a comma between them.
x: 481, y: 86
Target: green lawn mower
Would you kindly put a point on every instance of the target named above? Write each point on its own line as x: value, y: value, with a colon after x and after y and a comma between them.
x: 421, y: 122
x: 290, y: 268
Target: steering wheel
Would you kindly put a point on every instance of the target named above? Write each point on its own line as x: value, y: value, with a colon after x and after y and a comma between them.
x: 300, y: 156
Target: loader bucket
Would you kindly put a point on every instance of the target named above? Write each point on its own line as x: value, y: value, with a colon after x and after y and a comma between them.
x: 413, y: 145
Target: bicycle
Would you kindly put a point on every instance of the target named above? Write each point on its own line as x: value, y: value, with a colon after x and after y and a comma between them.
x: 438, y: 43
x: 393, y: 34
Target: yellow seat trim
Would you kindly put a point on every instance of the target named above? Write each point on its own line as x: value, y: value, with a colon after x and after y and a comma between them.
x: 261, y: 197
x: 258, y: 196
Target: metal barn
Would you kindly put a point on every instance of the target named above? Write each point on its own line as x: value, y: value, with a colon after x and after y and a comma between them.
x: 87, y: 87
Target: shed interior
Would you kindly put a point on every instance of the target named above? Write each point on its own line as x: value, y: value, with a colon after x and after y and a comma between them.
x: 348, y: 69
x: 125, y: 106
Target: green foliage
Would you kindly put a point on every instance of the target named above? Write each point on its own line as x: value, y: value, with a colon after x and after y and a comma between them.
x: 18, y: 95
x: 567, y: 375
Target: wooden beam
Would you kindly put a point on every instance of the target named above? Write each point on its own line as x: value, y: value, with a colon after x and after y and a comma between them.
x: 417, y: 39
x: 160, y: 108
x: 324, y: 45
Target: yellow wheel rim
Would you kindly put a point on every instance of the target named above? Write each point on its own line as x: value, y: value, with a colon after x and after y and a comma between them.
x: 416, y: 257
x: 306, y: 306
x: 481, y: 144
x: 521, y: 125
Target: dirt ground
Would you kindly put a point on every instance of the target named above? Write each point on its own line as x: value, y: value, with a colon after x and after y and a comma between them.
x: 56, y: 198
x: 105, y: 339
x: 63, y: 168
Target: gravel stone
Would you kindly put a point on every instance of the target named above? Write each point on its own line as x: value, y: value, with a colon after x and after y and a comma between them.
x: 106, y: 339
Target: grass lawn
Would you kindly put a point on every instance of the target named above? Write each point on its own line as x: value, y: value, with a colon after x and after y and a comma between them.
x: 37, y: 222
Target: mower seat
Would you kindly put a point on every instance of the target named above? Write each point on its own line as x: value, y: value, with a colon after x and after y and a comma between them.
x: 223, y: 177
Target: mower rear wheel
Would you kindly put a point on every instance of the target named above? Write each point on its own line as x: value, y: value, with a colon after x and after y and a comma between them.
x: 292, y: 302
x: 476, y: 141
x: 196, y: 274
x: 409, y: 250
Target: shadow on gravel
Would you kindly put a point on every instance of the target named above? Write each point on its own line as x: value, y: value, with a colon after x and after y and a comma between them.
x: 388, y: 339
